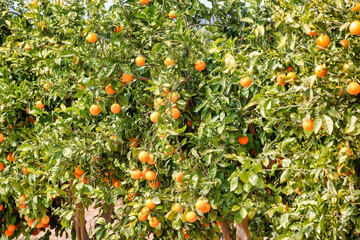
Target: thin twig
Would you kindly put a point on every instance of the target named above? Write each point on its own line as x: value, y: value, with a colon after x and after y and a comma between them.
x: 142, y: 78
x: 206, y: 24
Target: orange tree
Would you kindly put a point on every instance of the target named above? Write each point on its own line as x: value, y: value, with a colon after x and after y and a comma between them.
x: 249, y: 115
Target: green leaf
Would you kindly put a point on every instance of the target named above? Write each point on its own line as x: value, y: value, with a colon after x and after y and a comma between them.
x: 110, y: 69
x: 317, y: 124
x: 234, y: 183
x: 244, y: 176
x: 212, y: 170
x: 328, y: 124
x: 285, y: 176
x: 351, y: 124
x: 67, y: 152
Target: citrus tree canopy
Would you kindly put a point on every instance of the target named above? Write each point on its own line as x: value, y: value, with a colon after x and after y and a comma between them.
x: 179, y: 121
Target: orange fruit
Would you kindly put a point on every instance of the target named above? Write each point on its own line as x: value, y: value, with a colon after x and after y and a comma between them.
x: 344, y: 43
x: 22, y: 206
x: 136, y: 174
x: 140, y: 61
x: 116, y: 184
x: 354, y: 28
x: 280, y: 79
x: 243, y: 140
x: 44, y: 220
x: 245, y: 82
x: 8, y: 233
x: 207, y: 208
x: 339, y: 168
x: 78, y: 170
x: 154, y: 222
x: 151, y: 159
x: 200, y: 65
x: 118, y: 28
x: 179, y: 177
x: 144, y: 2
x: 143, y: 156
x: 158, y: 102
x: 168, y: 61
x: 109, y: 90
x: 189, y: 123
x: 345, y: 151
x: 91, y: 37
x: 11, y: 228
x: 27, y: 47
x: 167, y: 148
x: 150, y: 175
x: 22, y: 199
x: 85, y: 180
x: 175, y: 113
x: 150, y: 204
x: 291, y: 75
x: 172, y: 14
x: 1, y: 137
x: 191, y: 217
x: 355, y: 8
x: 145, y: 211
x: 115, y: 108
x: 10, y: 157
x: 176, y: 207
x: 39, y: 105
x: 127, y: 78
x: 200, y: 205
x: 323, y: 41
x: 1, y: 207
x: 299, y: 191
x: 34, y: 2
x: 173, y: 97
x: 94, y: 110
x: 1, y: 166
x: 353, y: 88
x: 154, y: 117
x: 77, y: 175
x: 157, y: 184
x: 47, y: 86
x: 142, y: 217
x: 308, y: 124
x: 25, y: 171
x: 312, y: 33
x: 144, y: 171
x: 320, y: 71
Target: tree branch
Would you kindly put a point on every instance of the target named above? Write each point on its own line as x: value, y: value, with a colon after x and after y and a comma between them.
x: 206, y: 24
x: 142, y: 78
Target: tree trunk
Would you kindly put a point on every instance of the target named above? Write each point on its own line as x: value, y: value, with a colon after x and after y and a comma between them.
x: 80, y: 223
x: 226, y: 231
x: 242, y: 230
x: 107, y: 215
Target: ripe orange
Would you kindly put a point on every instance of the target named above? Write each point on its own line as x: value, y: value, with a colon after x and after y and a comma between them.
x: 143, y: 156
x: 91, y: 37
x: 25, y: 171
x: 157, y: 184
x: 179, y: 177
x: 154, y: 117
x: 109, y: 90
x: 299, y: 191
x: 118, y: 28
x: 1, y: 207
x: 175, y: 113
x: 11, y: 228
x: 150, y: 175
x: 154, y: 222
x: 168, y: 148
x: 47, y: 86
x: 145, y: 211
x: 191, y: 217
x: 77, y: 175
x: 115, y: 108
x: 168, y: 61
x: 1, y: 166
x: 353, y: 88
x: 78, y: 170
x: 173, y: 97
x: 144, y: 2
x: 8, y: 233
x: 200, y: 205
x: 22, y: 206
x: 149, y: 203
x: 280, y: 79
x: 207, y: 208
x: 140, y: 61
x: 243, y: 140
x: 339, y: 170
x: 345, y: 151
x: 27, y: 47
x: 323, y: 41
x: 136, y: 174
x: 127, y: 78
x: 151, y: 159
x: 158, y: 102
x: 142, y: 217
x: 312, y: 33
x: 245, y: 82
x: 10, y: 157
x: 291, y: 75
x: 176, y: 207
x: 39, y: 105
x: 200, y: 65
x: 34, y: 2
x: 144, y: 171
x: 355, y: 8
x: 116, y: 184
x: 320, y: 71
x: 354, y: 28
x: 189, y: 123
x: 94, y: 110
x: 308, y: 124
x: 44, y: 220
x: 22, y: 199
x: 1, y: 137
x: 172, y: 14
x: 344, y: 43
